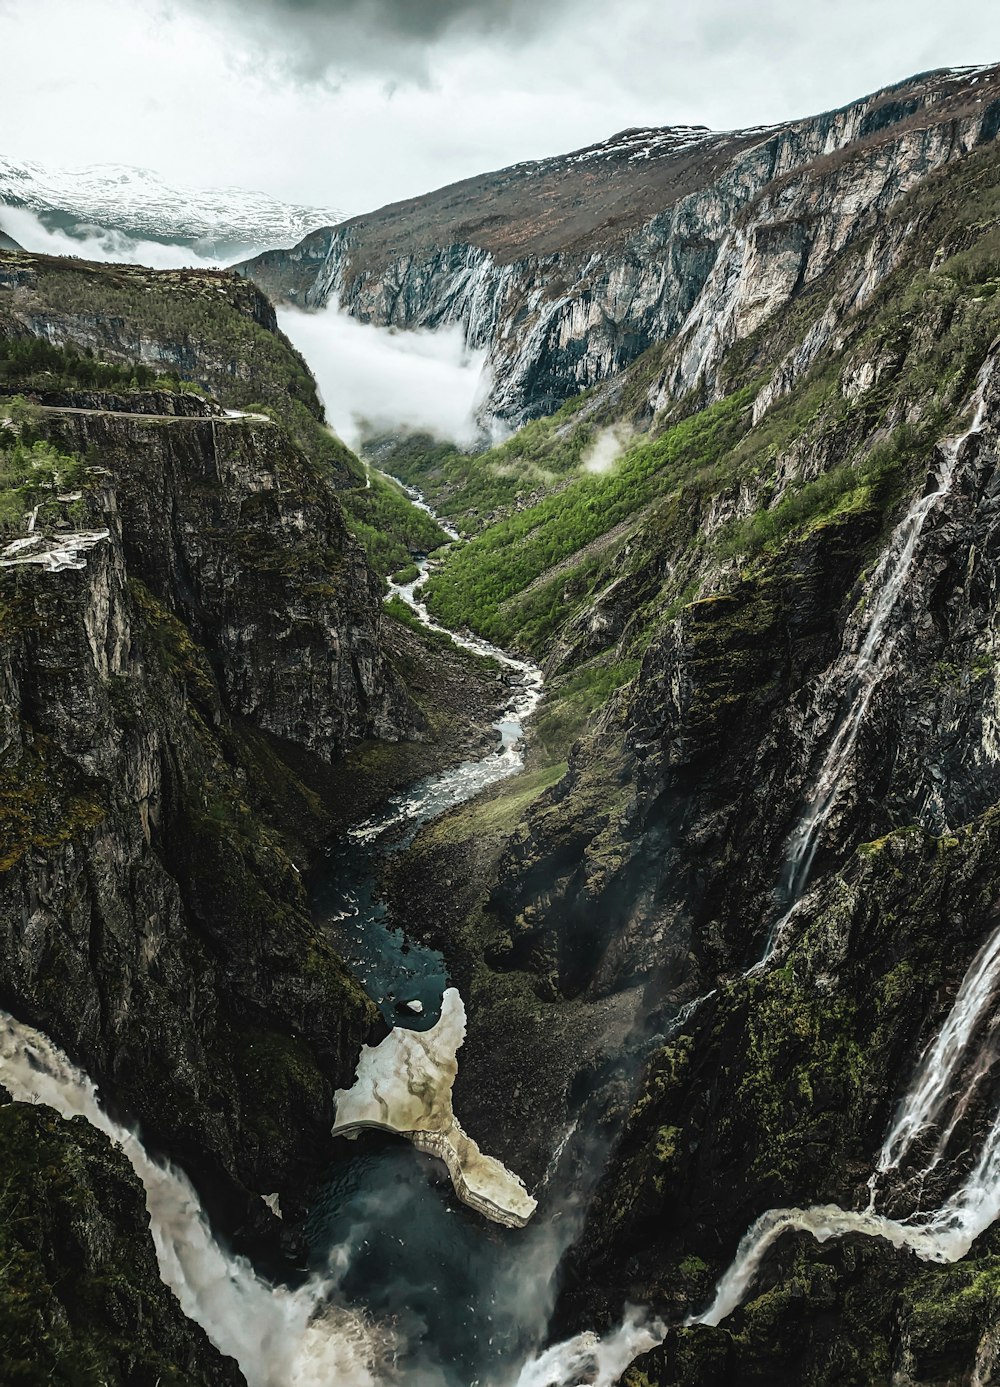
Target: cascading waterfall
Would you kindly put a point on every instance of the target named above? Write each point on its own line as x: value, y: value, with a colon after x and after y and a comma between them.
x: 861, y: 667
x: 279, y: 1337
x: 943, y: 1236
x: 306, y: 1337
x: 946, y: 1234
x: 930, y: 1087
x: 586, y: 1358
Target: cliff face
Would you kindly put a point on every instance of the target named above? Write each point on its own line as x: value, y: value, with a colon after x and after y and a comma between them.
x: 192, y: 641
x: 82, y: 1298
x: 780, y: 826
x: 153, y: 923
x: 568, y: 269
x: 208, y: 328
x: 229, y: 525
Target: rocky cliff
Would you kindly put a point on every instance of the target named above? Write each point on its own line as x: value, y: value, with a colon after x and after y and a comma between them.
x: 154, y: 924
x: 192, y: 644
x: 208, y: 330
x: 81, y: 1297
x: 567, y: 269
x: 769, y: 809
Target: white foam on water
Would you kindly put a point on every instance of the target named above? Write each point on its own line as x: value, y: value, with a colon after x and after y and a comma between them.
x: 279, y: 1337
x: 864, y: 662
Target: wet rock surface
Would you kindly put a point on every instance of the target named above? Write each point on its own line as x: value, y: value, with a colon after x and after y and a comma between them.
x: 81, y: 1288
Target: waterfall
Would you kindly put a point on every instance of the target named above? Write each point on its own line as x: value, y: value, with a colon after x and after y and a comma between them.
x: 862, y: 665
x: 943, y: 1236
x: 279, y: 1337
x: 946, y: 1234
x: 928, y: 1092
x: 590, y: 1359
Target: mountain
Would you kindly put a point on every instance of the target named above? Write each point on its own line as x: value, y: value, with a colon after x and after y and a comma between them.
x: 723, y: 922
x: 757, y: 845
x: 194, y: 648
x: 568, y: 268
x: 136, y: 203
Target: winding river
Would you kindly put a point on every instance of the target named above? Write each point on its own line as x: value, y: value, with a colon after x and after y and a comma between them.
x: 467, y: 1299
x: 394, y: 968
x: 405, y: 1284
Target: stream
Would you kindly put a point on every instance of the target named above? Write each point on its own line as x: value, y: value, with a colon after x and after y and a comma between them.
x: 406, y: 1285
x: 394, y: 968
x: 452, y: 1286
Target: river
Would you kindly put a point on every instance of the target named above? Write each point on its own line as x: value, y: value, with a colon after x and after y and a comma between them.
x: 461, y: 1294
x: 394, y: 968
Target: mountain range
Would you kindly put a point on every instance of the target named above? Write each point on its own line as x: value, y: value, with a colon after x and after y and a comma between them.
x: 137, y: 204
x: 717, y: 921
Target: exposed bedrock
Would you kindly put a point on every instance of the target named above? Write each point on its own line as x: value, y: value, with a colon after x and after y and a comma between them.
x: 568, y: 269
x: 153, y: 920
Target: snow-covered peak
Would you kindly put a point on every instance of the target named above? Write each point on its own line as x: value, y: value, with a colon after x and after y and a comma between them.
x: 138, y: 203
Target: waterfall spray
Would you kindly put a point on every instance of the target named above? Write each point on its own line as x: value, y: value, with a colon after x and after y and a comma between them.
x: 279, y: 1337
x: 928, y: 1092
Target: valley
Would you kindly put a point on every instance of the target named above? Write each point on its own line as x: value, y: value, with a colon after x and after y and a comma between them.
x: 521, y: 915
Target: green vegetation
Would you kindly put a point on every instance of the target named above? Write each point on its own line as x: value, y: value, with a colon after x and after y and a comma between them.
x: 34, y: 476
x: 389, y: 526
x: 572, y: 700
x: 800, y: 1047
x: 406, y: 616
x: 43, y: 803
x: 32, y: 363
x: 501, y: 562
x: 81, y: 1299
x: 839, y: 491
x: 500, y: 811
x: 210, y: 328
x: 473, y: 488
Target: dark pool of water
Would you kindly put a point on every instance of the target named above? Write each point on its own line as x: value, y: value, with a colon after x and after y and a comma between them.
x: 392, y: 968
x: 464, y: 1295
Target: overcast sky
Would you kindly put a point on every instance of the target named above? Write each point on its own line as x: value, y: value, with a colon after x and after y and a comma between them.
x: 353, y: 103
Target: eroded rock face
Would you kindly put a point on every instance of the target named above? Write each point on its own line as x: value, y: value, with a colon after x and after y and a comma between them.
x: 256, y: 560
x: 83, y: 1294
x: 404, y: 1085
x: 727, y: 726
x: 152, y: 919
x: 701, y: 237
x: 659, y: 858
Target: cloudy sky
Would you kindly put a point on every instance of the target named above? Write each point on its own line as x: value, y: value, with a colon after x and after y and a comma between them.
x: 353, y: 103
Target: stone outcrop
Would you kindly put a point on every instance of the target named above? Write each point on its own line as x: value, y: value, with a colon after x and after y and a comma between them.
x: 404, y: 1086
x: 566, y: 270
x: 80, y: 1285
x: 218, y: 625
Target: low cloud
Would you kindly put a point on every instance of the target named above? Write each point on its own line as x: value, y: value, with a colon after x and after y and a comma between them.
x: 420, y: 19
x: 606, y: 448
x: 96, y: 243
x: 379, y: 379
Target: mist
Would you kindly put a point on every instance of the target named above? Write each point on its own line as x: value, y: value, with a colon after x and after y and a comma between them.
x: 606, y: 448
x: 376, y: 379
x: 98, y: 243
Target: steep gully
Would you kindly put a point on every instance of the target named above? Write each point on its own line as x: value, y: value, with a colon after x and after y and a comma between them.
x: 282, y: 1335
x: 305, y: 1335
x: 946, y: 1234
x: 848, y: 686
